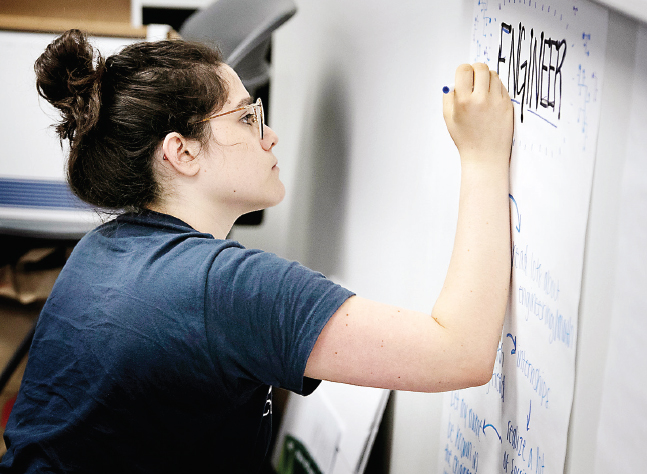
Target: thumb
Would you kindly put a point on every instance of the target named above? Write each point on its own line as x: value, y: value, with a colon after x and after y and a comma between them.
x: 448, y: 107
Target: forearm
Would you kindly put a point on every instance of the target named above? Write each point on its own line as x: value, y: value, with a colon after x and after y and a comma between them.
x: 472, y: 303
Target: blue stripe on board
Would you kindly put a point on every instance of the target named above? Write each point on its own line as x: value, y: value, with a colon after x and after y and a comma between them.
x: 38, y: 194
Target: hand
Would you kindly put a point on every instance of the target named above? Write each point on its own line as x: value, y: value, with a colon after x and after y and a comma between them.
x: 479, y: 115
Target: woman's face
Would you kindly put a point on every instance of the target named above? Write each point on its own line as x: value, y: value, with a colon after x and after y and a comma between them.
x: 244, y: 175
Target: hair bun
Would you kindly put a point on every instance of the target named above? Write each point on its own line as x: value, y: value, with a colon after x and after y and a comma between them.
x: 67, y: 78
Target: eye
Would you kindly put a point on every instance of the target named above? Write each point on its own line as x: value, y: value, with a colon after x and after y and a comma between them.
x: 248, y: 119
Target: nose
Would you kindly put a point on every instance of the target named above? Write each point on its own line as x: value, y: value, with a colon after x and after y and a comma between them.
x: 270, y: 138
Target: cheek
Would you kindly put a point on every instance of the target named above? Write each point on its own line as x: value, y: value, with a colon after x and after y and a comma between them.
x: 230, y: 141
x: 240, y: 177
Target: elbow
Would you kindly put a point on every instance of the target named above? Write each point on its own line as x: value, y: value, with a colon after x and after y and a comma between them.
x: 471, y: 371
x: 483, y: 373
x: 478, y: 368
x: 475, y: 375
x: 484, y: 353
x: 472, y: 347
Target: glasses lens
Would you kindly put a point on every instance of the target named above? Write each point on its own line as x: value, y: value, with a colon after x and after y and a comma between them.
x: 261, y: 121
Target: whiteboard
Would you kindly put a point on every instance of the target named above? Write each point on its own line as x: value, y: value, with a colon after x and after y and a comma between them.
x: 551, y: 58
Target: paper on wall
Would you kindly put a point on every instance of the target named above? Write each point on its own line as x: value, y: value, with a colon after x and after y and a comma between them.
x: 550, y: 55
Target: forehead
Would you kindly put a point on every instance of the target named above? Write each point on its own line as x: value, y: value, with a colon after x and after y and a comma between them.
x: 237, y: 91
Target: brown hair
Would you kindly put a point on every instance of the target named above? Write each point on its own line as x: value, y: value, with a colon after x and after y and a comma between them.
x: 116, y: 112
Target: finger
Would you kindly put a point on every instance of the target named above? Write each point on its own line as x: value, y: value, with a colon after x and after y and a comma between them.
x: 448, y: 106
x: 481, y: 78
x: 495, y: 83
x: 504, y: 91
x: 464, y: 80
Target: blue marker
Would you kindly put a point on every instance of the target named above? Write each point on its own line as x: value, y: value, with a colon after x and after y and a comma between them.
x: 448, y: 89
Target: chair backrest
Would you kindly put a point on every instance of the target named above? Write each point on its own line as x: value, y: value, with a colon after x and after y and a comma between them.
x: 241, y: 29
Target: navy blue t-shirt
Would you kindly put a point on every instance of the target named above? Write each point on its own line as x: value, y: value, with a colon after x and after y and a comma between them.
x: 157, y: 350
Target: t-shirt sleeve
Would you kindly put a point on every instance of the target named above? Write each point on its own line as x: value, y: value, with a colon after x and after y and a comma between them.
x: 264, y: 315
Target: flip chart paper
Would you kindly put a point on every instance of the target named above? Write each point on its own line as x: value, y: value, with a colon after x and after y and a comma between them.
x: 550, y: 56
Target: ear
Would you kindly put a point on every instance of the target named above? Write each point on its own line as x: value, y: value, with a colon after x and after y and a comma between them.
x: 181, y: 154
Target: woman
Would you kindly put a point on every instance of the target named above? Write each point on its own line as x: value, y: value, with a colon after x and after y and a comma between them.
x: 161, y: 340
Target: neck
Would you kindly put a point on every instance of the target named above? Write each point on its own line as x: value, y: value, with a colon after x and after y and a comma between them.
x: 202, y: 220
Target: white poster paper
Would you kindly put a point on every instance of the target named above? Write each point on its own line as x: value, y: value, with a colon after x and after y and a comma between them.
x: 550, y: 56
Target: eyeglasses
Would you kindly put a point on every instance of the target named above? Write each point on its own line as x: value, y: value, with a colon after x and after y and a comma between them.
x: 256, y: 109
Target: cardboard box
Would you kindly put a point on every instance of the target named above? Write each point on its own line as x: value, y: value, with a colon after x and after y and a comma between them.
x: 27, y: 281
x: 110, y: 18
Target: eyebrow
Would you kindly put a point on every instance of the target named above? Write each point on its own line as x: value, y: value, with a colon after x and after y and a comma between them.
x: 246, y: 101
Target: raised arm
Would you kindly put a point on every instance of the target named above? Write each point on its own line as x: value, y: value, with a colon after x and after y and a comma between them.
x: 373, y: 344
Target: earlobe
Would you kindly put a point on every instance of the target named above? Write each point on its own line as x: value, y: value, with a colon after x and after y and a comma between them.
x: 180, y: 155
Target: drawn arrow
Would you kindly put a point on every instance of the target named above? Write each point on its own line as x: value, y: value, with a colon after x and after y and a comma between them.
x: 529, y: 412
x: 514, y: 341
x: 518, y: 226
x: 491, y: 426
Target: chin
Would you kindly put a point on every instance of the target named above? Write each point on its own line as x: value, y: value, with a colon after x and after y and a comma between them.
x: 276, y: 201
x: 271, y: 201
x: 280, y: 194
